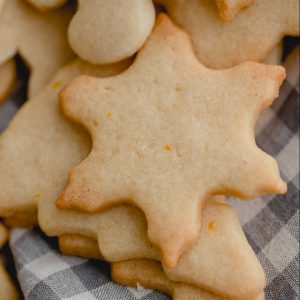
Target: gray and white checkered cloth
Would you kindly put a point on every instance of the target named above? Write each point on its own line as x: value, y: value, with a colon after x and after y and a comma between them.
x: 271, y: 224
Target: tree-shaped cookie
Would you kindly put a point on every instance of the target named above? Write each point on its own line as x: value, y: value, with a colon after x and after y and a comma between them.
x: 150, y: 275
x: 44, y: 5
x: 250, y: 36
x: 168, y: 133
x: 30, y: 174
x: 221, y: 260
x: 228, y: 9
x: 40, y: 38
x: 103, y: 31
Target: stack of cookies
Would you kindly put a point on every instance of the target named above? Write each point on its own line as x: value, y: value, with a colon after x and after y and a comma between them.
x: 138, y: 124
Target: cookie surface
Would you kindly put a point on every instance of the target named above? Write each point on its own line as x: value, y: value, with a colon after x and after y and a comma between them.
x: 162, y: 131
x: 26, y: 176
x: 40, y: 39
x: 7, y: 78
x: 250, y: 36
x: 146, y: 273
x: 149, y: 274
x: 1, y: 4
x: 79, y: 245
x: 104, y: 32
x: 228, y: 9
x: 39, y: 181
x: 215, y: 261
x: 44, y: 5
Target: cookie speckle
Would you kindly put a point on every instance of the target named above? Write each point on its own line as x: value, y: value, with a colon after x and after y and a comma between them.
x: 168, y: 148
x: 211, y: 226
x: 56, y: 84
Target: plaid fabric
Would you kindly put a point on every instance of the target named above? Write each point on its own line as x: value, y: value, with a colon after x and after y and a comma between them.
x: 271, y: 223
x: 45, y: 274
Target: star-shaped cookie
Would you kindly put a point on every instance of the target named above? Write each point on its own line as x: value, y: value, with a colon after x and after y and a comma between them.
x: 168, y: 133
x: 250, y: 36
x: 40, y: 39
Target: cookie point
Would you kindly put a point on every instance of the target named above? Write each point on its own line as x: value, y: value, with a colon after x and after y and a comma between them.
x: 277, y: 73
x: 164, y: 22
x: 61, y: 201
x: 282, y: 188
x: 170, y: 260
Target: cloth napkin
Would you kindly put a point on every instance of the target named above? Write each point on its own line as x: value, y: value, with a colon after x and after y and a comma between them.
x: 271, y: 223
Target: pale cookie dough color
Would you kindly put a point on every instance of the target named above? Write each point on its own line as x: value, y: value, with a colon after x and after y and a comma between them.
x: 250, y: 36
x: 121, y: 231
x: 79, y: 245
x: 30, y: 174
x: 221, y: 260
x: 7, y: 78
x: 44, y: 5
x: 228, y: 9
x: 166, y: 137
x: 150, y: 275
x: 104, y: 31
x: 39, y: 38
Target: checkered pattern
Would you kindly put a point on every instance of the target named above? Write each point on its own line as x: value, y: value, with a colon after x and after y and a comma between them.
x: 271, y: 224
x: 45, y: 274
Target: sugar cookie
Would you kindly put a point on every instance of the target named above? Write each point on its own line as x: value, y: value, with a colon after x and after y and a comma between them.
x: 250, y: 36
x: 27, y: 175
x: 215, y: 261
x: 40, y: 39
x: 104, y: 32
x: 121, y: 231
x: 150, y: 275
x: 166, y: 138
x: 23, y: 219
